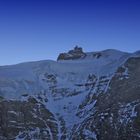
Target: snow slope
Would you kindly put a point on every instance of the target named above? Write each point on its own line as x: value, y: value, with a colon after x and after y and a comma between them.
x: 26, y: 77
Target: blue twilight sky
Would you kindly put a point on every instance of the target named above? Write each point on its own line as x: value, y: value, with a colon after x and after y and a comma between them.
x: 41, y: 29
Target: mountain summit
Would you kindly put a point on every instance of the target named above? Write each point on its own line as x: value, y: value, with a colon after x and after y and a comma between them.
x: 76, y: 53
x: 83, y: 95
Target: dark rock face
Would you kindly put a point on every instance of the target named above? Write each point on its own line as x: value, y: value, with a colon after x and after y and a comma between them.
x: 76, y: 53
x: 26, y: 120
x: 116, y: 114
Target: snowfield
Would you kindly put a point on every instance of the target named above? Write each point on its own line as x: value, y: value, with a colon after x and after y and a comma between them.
x: 27, y: 77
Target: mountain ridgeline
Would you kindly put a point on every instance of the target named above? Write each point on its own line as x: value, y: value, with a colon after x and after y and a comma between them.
x: 81, y: 96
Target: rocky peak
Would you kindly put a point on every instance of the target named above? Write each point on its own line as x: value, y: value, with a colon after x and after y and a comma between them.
x: 76, y: 53
x: 76, y: 50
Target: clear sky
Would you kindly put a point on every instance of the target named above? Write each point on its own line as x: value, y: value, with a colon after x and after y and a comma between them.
x: 41, y: 29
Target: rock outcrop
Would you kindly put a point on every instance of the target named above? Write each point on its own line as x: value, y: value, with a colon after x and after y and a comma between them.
x: 76, y: 53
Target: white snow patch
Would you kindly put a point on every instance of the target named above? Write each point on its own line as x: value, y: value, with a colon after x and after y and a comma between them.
x: 90, y: 134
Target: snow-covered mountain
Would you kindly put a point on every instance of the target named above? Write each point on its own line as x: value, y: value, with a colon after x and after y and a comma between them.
x: 92, y: 95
